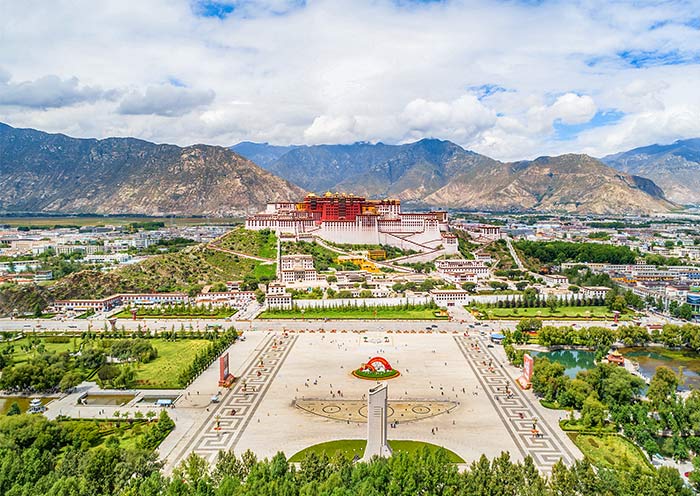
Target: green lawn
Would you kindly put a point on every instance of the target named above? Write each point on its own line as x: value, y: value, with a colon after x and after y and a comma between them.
x: 584, y: 313
x: 217, y: 314
x: 265, y: 270
x: 354, y: 314
x: 19, y: 355
x: 257, y: 243
x: 352, y: 447
x: 173, y: 358
x: 614, y: 452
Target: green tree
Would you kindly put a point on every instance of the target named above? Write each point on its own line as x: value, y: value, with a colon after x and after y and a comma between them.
x: 469, y: 286
x: 662, y: 386
x: 593, y: 412
x: 14, y: 409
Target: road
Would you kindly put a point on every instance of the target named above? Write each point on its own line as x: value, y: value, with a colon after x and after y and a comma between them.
x: 34, y: 325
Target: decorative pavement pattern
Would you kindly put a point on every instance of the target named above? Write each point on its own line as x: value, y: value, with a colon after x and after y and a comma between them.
x: 356, y: 410
x: 224, y: 426
x: 516, y: 411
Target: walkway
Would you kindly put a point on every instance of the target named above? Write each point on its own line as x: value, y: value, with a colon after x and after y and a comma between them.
x: 227, y: 420
x: 547, y: 447
x: 213, y: 246
x: 514, y: 254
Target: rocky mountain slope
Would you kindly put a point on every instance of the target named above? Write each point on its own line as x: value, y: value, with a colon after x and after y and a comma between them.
x: 440, y: 173
x: 42, y: 172
x: 674, y: 167
x: 262, y: 154
x: 568, y: 183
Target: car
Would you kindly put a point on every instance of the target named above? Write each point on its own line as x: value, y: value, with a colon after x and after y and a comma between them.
x: 434, y: 326
x: 489, y: 345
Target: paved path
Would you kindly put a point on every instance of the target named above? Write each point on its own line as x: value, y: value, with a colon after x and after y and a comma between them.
x: 545, y: 450
x: 238, y: 405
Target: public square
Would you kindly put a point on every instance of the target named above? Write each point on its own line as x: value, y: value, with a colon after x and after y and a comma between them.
x: 488, y: 414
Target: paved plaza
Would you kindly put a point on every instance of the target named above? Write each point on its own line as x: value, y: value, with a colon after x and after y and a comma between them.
x: 442, y: 370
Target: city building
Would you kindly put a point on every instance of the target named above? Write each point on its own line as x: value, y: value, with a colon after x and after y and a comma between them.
x: 555, y: 280
x: 235, y: 299
x: 277, y: 297
x: 449, y: 297
x: 297, y: 269
x: 460, y: 270
x: 594, y: 291
x: 693, y: 299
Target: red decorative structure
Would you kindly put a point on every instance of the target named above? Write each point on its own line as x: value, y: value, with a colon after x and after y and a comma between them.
x: 377, y: 368
x: 370, y: 364
x: 225, y: 376
x: 524, y: 380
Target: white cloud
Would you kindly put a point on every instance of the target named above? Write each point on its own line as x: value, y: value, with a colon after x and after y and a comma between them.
x: 165, y: 100
x: 46, y: 92
x: 573, y: 109
x: 328, y: 129
x: 288, y: 71
x: 461, y: 119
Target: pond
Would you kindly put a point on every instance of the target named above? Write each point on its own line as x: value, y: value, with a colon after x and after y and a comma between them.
x: 106, y: 399
x: 22, y: 401
x: 649, y: 358
x: 151, y: 399
x: 574, y: 361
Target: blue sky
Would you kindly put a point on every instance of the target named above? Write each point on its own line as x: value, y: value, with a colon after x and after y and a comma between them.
x: 508, y: 78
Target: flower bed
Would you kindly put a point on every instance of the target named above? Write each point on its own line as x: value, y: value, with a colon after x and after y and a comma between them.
x: 375, y: 375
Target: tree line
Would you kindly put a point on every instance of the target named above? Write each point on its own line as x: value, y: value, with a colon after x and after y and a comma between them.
x: 42, y: 457
x: 557, y: 252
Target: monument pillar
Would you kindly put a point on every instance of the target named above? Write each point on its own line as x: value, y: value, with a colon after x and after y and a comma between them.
x: 377, y: 423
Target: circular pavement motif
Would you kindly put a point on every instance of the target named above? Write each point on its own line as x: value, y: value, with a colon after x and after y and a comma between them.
x: 420, y: 410
x: 330, y: 409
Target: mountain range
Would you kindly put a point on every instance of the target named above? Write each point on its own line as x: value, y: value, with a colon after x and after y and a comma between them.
x: 41, y: 172
x: 675, y: 168
x: 439, y: 173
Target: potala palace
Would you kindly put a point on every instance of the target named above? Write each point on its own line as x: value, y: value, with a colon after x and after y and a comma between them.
x: 349, y: 219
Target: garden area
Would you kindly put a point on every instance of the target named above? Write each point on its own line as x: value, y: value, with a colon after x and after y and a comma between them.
x: 606, y: 399
x: 115, y: 360
x: 139, y: 432
x: 612, y: 452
